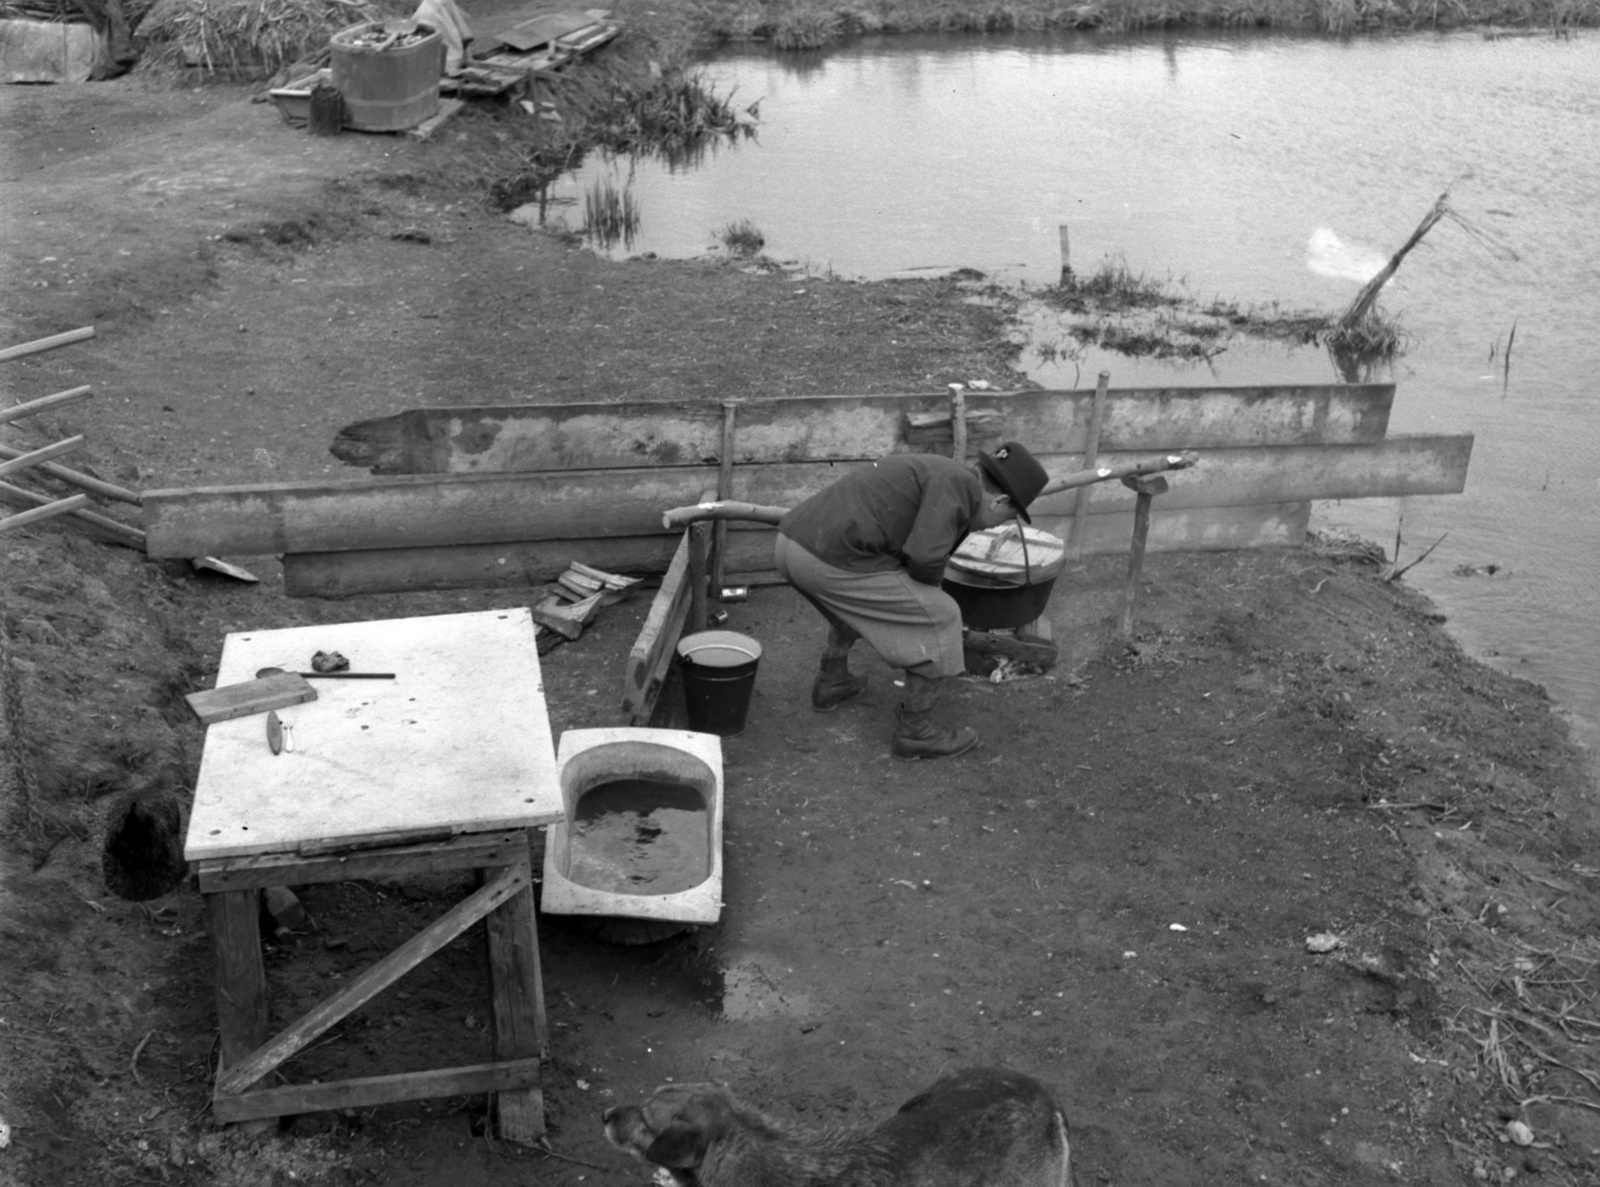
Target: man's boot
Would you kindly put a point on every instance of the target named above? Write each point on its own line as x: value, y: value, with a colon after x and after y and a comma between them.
x: 916, y: 735
x: 835, y: 684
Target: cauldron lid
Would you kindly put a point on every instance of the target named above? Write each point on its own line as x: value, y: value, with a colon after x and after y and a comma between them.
x: 997, y: 556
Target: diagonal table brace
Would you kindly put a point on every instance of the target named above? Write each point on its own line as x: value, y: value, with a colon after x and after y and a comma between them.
x: 377, y: 978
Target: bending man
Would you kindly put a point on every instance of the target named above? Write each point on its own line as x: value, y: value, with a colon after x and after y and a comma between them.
x: 869, y: 553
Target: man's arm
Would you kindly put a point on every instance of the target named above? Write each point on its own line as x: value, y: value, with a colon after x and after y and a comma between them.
x: 941, y: 524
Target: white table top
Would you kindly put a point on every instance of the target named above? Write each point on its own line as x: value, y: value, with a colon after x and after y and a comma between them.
x: 459, y: 740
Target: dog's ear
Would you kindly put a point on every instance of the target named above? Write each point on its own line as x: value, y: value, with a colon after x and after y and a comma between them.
x: 681, y: 1145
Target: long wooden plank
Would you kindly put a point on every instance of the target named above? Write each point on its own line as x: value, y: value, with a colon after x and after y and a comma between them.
x: 366, y: 1091
x: 100, y: 526
x: 1288, y: 474
x: 40, y: 345
x: 505, y: 565
x: 464, y: 851
x: 1192, y: 529
x: 652, y: 650
x: 59, y: 400
x: 471, y: 566
x: 358, y: 991
x: 47, y: 511
x: 413, y: 511
x: 531, y: 437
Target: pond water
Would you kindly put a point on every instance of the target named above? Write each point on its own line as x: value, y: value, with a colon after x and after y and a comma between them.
x: 1257, y: 169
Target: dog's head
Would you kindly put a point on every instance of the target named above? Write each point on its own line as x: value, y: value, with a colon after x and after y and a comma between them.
x: 672, y: 1127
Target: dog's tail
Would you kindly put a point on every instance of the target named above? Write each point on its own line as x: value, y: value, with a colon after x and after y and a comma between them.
x: 1063, y: 1142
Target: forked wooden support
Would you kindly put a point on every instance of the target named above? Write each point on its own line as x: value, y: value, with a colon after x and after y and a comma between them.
x: 1146, y: 487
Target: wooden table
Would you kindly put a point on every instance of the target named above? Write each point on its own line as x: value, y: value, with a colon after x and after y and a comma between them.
x: 442, y: 768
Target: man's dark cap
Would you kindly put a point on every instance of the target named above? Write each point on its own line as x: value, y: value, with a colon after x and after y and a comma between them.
x: 1014, y: 470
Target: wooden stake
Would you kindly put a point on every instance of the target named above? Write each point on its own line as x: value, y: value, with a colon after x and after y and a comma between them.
x: 93, y: 485
x: 1066, y: 257
x: 1147, y: 489
x: 1091, y: 455
x: 698, y: 534
x: 99, y: 525
x: 71, y: 396
x: 40, y: 345
x: 719, y: 538
x: 26, y: 461
x: 958, y: 422
x: 60, y: 507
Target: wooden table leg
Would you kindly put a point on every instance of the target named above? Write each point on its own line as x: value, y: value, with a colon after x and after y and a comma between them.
x: 234, y: 919
x: 517, y: 989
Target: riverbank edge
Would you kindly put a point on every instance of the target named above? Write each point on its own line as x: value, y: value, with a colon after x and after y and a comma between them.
x: 808, y: 25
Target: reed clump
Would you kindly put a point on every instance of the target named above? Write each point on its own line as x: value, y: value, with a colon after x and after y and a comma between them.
x: 1112, y: 285
x: 742, y: 237
x: 256, y: 37
x: 610, y: 215
x: 624, y: 105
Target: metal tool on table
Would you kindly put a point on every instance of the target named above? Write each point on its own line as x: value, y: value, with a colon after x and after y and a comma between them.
x: 260, y: 672
x: 280, y: 734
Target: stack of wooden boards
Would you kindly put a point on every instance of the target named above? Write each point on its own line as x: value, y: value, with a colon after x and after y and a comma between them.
x: 511, y: 495
x: 579, y: 594
x: 515, y: 52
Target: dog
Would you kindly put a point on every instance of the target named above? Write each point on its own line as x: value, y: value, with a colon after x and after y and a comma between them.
x: 982, y: 1127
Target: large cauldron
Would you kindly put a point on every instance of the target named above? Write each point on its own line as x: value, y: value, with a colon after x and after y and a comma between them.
x: 1002, y: 578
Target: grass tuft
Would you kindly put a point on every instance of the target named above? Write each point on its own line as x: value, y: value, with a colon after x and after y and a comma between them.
x: 742, y: 238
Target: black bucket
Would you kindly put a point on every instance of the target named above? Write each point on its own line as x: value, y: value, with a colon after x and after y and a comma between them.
x: 719, y: 674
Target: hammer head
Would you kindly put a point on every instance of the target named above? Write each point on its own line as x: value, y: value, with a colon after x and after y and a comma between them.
x: 1146, y: 484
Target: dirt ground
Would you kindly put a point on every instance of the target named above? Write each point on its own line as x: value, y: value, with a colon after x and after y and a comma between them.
x: 1114, y: 893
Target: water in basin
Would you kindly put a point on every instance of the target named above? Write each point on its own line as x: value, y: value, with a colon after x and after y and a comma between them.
x: 640, y: 836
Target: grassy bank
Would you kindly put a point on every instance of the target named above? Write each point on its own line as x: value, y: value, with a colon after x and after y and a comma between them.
x: 812, y: 24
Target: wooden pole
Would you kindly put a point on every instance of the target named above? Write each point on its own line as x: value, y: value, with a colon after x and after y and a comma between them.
x: 71, y: 396
x: 99, y: 525
x: 47, y: 511
x: 26, y: 461
x: 958, y: 422
x: 1091, y: 455
x: 1147, y: 489
x: 93, y: 485
x: 698, y: 534
x: 719, y: 537
x: 40, y: 345
x: 1066, y: 257
x: 680, y: 517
